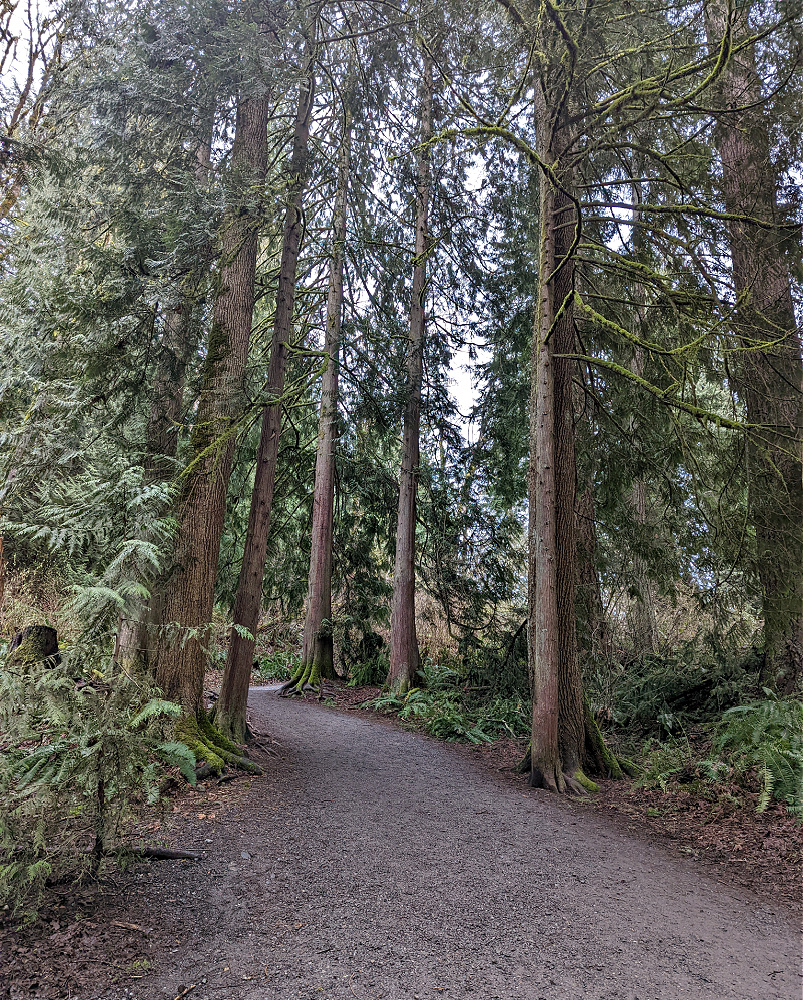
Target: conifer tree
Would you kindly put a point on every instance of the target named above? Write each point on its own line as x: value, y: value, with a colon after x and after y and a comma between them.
x: 404, y: 654
x: 317, y: 657
x: 180, y: 665
x: 230, y: 710
x: 769, y: 370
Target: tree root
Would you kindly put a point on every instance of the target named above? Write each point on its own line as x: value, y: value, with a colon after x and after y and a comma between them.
x: 560, y: 781
x: 160, y: 854
x: 211, y: 746
x: 306, y: 678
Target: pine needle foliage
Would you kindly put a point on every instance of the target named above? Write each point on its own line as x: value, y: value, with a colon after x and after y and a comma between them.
x: 83, y: 747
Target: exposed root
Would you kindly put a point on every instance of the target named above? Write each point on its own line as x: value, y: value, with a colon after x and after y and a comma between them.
x: 306, y: 678
x: 551, y: 780
x: 582, y: 782
x: 212, y: 747
x: 560, y: 782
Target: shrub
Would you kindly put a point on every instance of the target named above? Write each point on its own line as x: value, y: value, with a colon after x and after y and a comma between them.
x: 279, y: 665
x: 439, y: 707
x: 664, y: 693
x: 361, y: 651
x: 664, y: 760
x: 82, y: 746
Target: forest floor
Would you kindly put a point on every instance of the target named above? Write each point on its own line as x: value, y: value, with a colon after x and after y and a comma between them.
x: 373, y: 862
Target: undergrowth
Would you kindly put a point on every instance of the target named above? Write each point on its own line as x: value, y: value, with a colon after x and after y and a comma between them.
x: 280, y: 665
x: 663, y: 694
x: 82, y: 747
x: 758, y: 745
x: 440, y: 708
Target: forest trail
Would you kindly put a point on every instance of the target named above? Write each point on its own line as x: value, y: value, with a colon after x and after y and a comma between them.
x: 371, y: 862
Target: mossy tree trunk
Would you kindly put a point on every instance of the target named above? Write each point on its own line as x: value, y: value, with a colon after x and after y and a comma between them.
x: 180, y: 664
x: 230, y: 709
x: 34, y: 644
x: 404, y: 654
x: 770, y: 375
x: 138, y: 632
x: 317, y: 661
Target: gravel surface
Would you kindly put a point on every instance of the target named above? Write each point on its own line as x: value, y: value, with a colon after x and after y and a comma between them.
x: 371, y: 862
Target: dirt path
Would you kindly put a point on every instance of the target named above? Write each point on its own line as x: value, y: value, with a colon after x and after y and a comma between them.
x: 372, y: 862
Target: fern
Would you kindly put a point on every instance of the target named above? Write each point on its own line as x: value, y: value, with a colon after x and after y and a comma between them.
x: 439, y: 708
x: 154, y: 708
x: 767, y: 736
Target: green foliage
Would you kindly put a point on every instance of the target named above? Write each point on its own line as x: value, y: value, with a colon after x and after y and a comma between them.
x: 106, y: 531
x: 361, y: 651
x: 497, y: 668
x: 83, y: 747
x: 767, y: 736
x: 280, y: 665
x: 662, y: 693
x: 759, y: 742
x: 664, y: 761
x: 439, y: 707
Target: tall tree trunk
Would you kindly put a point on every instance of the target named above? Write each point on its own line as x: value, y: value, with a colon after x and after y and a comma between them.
x: 642, y: 612
x: 404, y: 655
x: 770, y: 373
x: 318, y: 654
x: 558, y: 739
x: 230, y: 709
x: 137, y: 631
x: 137, y: 634
x: 180, y: 667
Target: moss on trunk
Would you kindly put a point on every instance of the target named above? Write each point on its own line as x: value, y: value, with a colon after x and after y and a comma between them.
x: 210, y: 745
x: 33, y: 644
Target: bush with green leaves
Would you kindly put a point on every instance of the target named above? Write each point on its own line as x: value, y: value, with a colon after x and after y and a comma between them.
x: 280, y: 665
x: 497, y: 668
x: 664, y: 760
x: 83, y: 746
x: 756, y: 745
x: 361, y: 651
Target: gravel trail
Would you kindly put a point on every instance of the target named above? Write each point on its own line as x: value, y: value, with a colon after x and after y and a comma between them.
x: 375, y: 863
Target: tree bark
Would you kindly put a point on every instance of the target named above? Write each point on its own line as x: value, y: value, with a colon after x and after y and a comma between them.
x: 546, y: 770
x: 404, y: 654
x: 318, y: 651
x: 230, y: 708
x: 770, y: 372
x: 558, y: 718
x: 137, y: 635
x: 180, y: 666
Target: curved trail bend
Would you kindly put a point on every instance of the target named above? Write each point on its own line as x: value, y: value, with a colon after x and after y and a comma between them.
x: 375, y: 863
